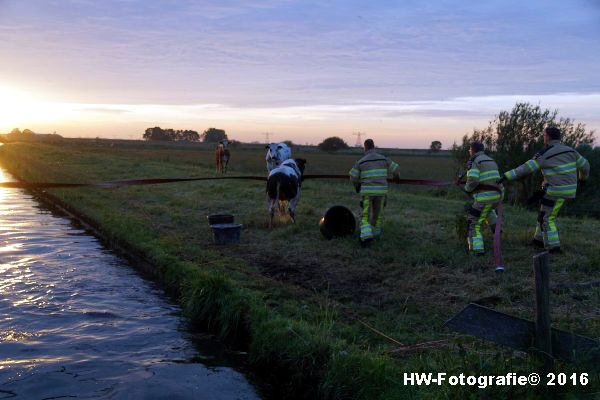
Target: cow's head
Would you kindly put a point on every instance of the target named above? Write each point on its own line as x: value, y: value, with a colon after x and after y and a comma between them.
x: 301, y: 163
x: 276, y: 154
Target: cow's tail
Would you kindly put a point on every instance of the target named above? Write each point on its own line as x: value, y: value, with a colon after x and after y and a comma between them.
x: 280, y: 203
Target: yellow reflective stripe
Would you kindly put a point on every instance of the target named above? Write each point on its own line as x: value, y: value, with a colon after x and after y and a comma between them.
x: 511, y: 175
x: 473, y: 173
x: 560, y: 169
x: 487, y: 196
x: 489, y: 175
x: 533, y: 165
x: 564, y: 190
x: 373, y: 189
x: 374, y: 173
x: 581, y: 162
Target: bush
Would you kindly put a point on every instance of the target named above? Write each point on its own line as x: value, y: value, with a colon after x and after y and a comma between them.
x: 333, y: 143
x: 213, y: 135
x: 588, y: 195
x: 435, y: 146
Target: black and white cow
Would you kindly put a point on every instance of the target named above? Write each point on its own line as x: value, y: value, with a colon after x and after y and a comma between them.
x: 284, y: 184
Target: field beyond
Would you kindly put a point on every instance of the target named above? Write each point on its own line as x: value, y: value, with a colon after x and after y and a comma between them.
x: 301, y: 303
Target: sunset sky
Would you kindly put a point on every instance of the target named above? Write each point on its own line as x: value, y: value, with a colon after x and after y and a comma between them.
x: 404, y: 72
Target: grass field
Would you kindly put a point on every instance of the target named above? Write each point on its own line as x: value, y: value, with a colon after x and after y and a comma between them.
x: 298, y: 297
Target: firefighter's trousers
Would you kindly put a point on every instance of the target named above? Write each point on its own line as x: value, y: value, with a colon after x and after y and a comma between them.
x: 371, y: 223
x: 477, y: 214
x: 546, y: 229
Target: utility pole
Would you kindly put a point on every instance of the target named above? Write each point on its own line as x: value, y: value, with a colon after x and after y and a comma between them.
x: 358, y: 135
x: 267, y: 136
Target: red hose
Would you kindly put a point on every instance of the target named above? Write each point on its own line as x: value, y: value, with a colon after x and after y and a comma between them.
x: 497, y: 241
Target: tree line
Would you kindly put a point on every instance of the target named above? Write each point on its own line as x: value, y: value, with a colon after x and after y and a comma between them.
x: 211, y: 135
x: 27, y: 135
x: 171, y: 135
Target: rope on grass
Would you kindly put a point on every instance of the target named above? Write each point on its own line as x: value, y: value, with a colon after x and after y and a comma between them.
x: 352, y: 315
x: 403, y: 347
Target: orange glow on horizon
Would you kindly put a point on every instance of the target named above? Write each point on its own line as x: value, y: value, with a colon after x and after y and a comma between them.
x: 391, y: 124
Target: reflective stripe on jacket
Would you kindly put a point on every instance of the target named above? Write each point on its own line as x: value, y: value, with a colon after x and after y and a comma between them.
x: 561, y: 166
x: 370, y: 173
x: 484, y: 170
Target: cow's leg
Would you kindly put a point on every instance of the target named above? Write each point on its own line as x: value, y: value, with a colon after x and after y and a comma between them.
x: 273, y: 194
x: 271, y: 212
x: 226, y: 156
x: 272, y: 215
x: 293, y: 205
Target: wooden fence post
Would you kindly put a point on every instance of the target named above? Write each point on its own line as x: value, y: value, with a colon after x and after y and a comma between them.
x: 543, y: 333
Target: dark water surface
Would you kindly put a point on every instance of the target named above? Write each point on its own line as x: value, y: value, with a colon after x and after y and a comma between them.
x: 77, y: 322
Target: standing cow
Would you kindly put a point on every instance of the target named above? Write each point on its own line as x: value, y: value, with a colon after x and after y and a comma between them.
x: 222, y: 156
x: 283, y: 185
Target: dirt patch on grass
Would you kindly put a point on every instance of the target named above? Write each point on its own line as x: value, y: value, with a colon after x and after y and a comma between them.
x: 363, y: 286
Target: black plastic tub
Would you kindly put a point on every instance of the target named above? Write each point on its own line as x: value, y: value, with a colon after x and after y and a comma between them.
x: 226, y: 233
x: 220, y: 219
x: 338, y: 221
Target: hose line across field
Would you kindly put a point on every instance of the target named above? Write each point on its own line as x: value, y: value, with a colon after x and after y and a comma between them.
x: 158, y: 181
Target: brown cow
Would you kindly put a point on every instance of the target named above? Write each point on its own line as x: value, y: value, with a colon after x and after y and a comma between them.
x: 222, y: 156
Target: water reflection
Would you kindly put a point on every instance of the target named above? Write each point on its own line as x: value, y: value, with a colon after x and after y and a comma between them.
x: 76, y: 322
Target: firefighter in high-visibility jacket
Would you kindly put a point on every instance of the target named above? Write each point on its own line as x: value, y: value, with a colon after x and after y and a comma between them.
x: 369, y: 177
x: 563, y: 168
x: 483, y: 171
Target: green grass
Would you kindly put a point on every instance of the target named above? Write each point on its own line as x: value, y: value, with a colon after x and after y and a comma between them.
x: 294, y: 296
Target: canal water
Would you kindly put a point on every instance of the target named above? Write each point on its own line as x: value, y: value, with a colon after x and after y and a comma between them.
x: 76, y: 321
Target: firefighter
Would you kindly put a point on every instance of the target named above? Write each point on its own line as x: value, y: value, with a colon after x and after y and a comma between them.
x: 563, y: 168
x: 369, y: 177
x: 487, y: 194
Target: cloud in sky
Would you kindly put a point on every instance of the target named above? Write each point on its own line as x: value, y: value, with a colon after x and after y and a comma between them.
x: 305, y: 57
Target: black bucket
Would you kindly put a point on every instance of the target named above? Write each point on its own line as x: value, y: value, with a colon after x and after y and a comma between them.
x: 338, y: 221
x: 220, y: 219
x: 226, y: 233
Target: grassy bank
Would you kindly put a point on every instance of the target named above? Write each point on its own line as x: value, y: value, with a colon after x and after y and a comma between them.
x: 297, y: 299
